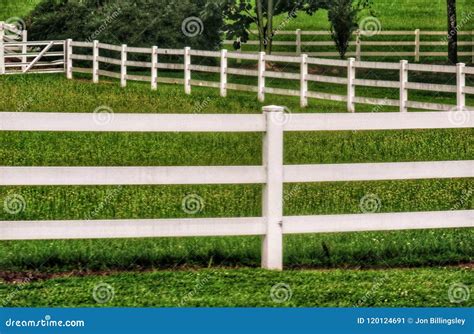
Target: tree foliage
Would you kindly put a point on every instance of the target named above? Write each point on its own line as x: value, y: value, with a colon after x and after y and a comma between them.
x: 343, y: 16
x: 132, y: 22
x: 241, y: 14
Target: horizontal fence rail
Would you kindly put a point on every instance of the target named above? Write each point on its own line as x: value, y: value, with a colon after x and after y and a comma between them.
x: 304, y: 77
x: 272, y: 174
x: 397, y: 44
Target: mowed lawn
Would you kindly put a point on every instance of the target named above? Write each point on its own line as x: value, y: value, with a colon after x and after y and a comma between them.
x: 419, y: 287
x: 403, y: 268
x: 381, y: 250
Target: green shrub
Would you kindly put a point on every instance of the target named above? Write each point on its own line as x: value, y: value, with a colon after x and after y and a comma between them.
x: 132, y: 22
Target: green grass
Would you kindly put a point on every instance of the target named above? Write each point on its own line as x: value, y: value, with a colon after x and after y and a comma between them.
x: 393, y: 15
x: 39, y: 93
x: 251, y: 288
x: 16, y: 8
x: 231, y: 282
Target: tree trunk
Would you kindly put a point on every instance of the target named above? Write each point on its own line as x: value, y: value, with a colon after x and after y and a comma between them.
x: 261, y: 31
x: 452, y: 32
x: 270, y: 10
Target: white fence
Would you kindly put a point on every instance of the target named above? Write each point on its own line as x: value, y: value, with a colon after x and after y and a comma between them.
x: 351, y: 82
x: 272, y: 225
x: 422, y: 43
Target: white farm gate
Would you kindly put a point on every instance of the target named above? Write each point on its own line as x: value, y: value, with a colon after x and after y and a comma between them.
x: 272, y: 225
x: 18, y: 55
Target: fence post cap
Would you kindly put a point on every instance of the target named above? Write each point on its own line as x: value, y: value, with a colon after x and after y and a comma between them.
x: 460, y: 64
x: 273, y: 108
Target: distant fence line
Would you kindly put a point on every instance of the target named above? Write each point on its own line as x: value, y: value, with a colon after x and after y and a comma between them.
x: 261, y: 73
x: 272, y: 174
x: 359, y: 42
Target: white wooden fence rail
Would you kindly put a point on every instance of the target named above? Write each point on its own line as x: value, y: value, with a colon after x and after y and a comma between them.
x: 421, y: 43
x: 272, y: 225
x: 261, y: 73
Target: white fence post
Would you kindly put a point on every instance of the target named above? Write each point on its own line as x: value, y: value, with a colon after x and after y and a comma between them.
x: 298, y: 41
x: 351, y: 75
x: 2, y: 49
x: 223, y: 81
x: 69, y: 59
x: 403, y: 85
x: 272, y: 206
x: 304, y: 81
x: 417, y: 45
x: 123, y: 66
x: 95, y: 61
x: 261, y: 76
x: 154, y: 67
x: 239, y: 50
x: 358, y: 46
x: 187, y: 70
x: 460, y: 85
x: 24, y: 48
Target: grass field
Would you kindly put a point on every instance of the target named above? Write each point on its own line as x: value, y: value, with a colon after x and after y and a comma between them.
x: 404, y: 268
x: 248, y: 287
x: 348, y: 250
x: 394, y: 15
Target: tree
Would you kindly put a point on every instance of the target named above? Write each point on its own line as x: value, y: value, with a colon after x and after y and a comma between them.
x: 452, y: 32
x: 168, y: 24
x: 343, y: 16
x: 241, y: 14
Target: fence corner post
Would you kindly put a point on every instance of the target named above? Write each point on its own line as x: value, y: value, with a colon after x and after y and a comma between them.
x: 154, y: 68
x: 460, y: 86
x: 298, y: 41
x: 417, y: 45
x: 2, y: 49
x: 403, y: 85
x: 261, y: 76
x: 123, y: 66
x: 69, y: 58
x: 95, y: 61
x: 223, y: 79
x: 304, y: 81
x: 187, y: 70
x: 272, y: 203
x: 351, y: 75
